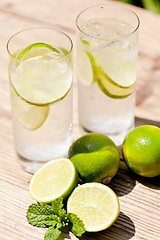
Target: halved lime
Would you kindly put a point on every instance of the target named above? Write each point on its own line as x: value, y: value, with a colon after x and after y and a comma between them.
x: 56, y: 178
x: 95, y: 204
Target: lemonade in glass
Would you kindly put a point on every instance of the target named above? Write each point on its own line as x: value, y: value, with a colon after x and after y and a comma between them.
x: 40, y: 74
x: 107, y: 49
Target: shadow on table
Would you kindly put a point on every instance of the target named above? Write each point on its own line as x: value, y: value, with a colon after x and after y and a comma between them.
x: 153, y: 182
x: 123, y: 228
x: 123, y: 182
x: 142, y: 121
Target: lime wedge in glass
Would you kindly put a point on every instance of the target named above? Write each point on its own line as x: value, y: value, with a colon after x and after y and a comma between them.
x: 30, y: 116
x: 39, y: 74
x: 111, y: 88
x: 86, y: 65
x: 86, y: 68
x: 91, y: 71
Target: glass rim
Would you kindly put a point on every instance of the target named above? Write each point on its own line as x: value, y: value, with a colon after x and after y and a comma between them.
x: 35, y: 28
x: 101, y: 5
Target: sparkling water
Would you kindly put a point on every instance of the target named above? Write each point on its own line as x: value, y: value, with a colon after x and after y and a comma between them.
x: 51, y: 140
x: 107, y: 48
x: 41, y: 101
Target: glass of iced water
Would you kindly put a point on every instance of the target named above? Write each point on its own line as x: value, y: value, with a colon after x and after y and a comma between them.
x: 40, y: 75
x: 107, y: 49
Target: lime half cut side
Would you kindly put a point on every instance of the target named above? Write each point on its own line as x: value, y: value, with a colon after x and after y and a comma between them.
x: 56, y: 178
x: 29, y: 116
x: 95, y: 204
x: 43, y: 74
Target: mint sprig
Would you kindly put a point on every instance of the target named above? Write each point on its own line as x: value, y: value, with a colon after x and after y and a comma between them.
x: 75, y: 224
x: 42, y: 215
x: 55, y: 217
x: 52, y: 234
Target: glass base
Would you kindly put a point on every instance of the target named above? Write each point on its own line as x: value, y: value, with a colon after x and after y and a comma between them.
x: 32, y: 157
x: 29, y: 165
x: 117, y: 137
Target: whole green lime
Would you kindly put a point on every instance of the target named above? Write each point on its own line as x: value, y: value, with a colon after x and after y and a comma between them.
x: 96, y: 158
x: 141, y: 150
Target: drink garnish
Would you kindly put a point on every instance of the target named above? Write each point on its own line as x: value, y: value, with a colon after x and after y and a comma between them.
x: 54, y: 217
x: 95, y: 73
x: 39, y: 76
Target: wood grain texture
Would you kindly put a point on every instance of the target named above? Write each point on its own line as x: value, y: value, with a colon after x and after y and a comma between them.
x: 139, y: 198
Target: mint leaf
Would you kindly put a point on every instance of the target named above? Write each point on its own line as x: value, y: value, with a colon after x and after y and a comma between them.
x: 57, y: 204
x: 52, y: 233
x: 57, y: 207
x: 54, y: 217
x: 75, y: 224
x: 42, y: 215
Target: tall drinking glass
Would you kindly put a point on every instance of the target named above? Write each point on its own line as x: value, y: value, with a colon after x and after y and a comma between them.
x: 107, y: 49
x: 40, y: 74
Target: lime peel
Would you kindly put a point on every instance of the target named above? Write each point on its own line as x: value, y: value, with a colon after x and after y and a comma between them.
x: 141, y: 150
x: 95, y: 157
x: 111, y: 90
x: 35, y: 45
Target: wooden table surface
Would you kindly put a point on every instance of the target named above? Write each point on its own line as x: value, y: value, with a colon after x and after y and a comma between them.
x: 139, y: 198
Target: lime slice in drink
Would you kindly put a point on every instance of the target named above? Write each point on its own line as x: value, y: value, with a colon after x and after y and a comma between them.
x: 95, y: 204
x: 86, y: 68
x: 30, y: 116
x: 56, y: 178
x: 118, y: 89
x: 24, y: 53
x: 39, y: 75
x: 43, y: 74
x: 93, y: 72
x: 111, y: 88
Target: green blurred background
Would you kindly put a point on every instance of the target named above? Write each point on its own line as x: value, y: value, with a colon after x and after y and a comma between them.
x: 151, y: 5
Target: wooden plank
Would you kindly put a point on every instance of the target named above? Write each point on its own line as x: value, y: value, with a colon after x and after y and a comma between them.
x: 139, y: 198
